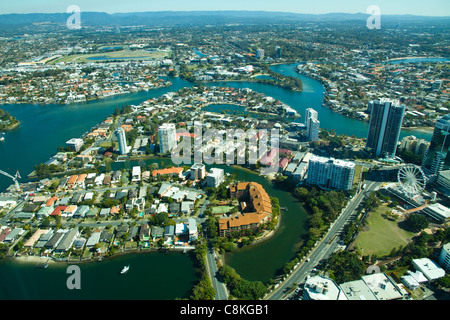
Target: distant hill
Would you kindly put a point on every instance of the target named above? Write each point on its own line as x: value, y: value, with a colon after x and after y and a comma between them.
x: 168, y: 18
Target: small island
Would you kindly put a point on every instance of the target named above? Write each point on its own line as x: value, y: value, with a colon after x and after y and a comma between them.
x: 7, y: 122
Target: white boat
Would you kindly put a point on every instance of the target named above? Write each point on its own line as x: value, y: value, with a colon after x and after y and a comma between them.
x: 2, y: 138
x: 125, y: 269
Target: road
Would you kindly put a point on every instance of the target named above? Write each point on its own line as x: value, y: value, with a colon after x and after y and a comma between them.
x: 219, y: 287
x: 329, y: 243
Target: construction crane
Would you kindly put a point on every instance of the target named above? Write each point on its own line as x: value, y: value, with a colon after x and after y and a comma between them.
x: 15, y: 178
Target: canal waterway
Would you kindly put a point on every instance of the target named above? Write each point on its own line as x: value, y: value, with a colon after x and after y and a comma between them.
x: 45, y: 127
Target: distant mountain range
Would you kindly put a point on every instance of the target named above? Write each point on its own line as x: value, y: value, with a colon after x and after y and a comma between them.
x: 167, y: 18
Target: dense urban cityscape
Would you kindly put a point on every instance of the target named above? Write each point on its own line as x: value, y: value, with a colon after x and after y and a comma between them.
x: 225, y: 156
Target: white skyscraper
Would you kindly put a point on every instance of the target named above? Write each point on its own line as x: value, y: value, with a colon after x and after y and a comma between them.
x: 313, y: 130
x: 167, y: 137
x: 331, y: 173
x: 312, y: 124
x: 260, y: 53
x: 121, y: 137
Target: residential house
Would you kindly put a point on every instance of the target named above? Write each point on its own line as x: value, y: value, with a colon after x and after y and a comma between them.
x: 169, y: 234
x: 144, y: 232
x: 192, y: 227
x: 67, y: 241
x: 157, y: 233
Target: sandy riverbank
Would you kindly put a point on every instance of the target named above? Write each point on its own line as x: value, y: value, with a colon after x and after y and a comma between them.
x: 403, y: 58
x: 33, y: 259
x: 423, y: 129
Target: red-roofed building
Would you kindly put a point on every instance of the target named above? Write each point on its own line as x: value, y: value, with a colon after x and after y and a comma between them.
x: 58, y: 210
x: 283, y: 163
x: 51, y: 201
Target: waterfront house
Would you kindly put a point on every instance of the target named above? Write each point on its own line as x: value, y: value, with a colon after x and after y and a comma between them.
x: 132, y: 233
x: 180, y: 229
x: 55, y: 239
x: 192, y: 227
x: 35, y: 237
x: 107, y: 235
x: 144, y: 232
x: 13, y: 235
x: 169, y: 233
x: 44, y: 238
x: 93, y: 240
x: 79, y: 243
x: 67, y: 241
x: 157, y: 232
x: 121, y: 230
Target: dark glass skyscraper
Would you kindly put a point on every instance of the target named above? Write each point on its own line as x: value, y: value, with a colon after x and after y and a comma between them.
x: 437, y: 156
x: 384, y: 127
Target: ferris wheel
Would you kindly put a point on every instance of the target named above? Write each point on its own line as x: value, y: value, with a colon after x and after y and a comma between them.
x: 412, y: 180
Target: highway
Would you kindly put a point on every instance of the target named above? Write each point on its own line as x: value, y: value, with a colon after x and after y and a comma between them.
x: 329, y: 243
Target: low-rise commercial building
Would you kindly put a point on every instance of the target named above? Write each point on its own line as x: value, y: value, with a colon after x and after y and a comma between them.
x: 322, y: 288
x: 429, y: 268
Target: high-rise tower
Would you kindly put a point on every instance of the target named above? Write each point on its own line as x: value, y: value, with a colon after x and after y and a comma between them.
x: 121, y: 137
x: 384, y: 127
x: 312, y: 124
x: 167, y: 137
x: 437, y: 156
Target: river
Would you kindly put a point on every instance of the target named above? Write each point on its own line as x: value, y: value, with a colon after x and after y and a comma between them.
x: 44, y: 127
x: 152, y: 276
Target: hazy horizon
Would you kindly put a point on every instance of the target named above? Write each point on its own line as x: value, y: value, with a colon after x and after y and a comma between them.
x: 432, y: 8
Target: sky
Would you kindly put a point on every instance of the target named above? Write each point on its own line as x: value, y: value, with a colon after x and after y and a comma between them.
x: 414, y: 7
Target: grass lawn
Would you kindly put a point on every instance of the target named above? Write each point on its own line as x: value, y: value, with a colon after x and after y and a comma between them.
x: 221, y: 209
x: 381, y: 235
x: 357, y: 176
x: 119, y: 55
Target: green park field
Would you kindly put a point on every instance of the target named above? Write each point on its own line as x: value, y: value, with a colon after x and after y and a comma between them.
x: 381, y: 235
x: 114, y: 55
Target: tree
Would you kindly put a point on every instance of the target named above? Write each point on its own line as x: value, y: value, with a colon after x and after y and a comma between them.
x: 211, y: 225
x: 344, y: 266
x: 417, y: 222
x: 240, y: 288
x: 444, y: 281
x: 301, y: 193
